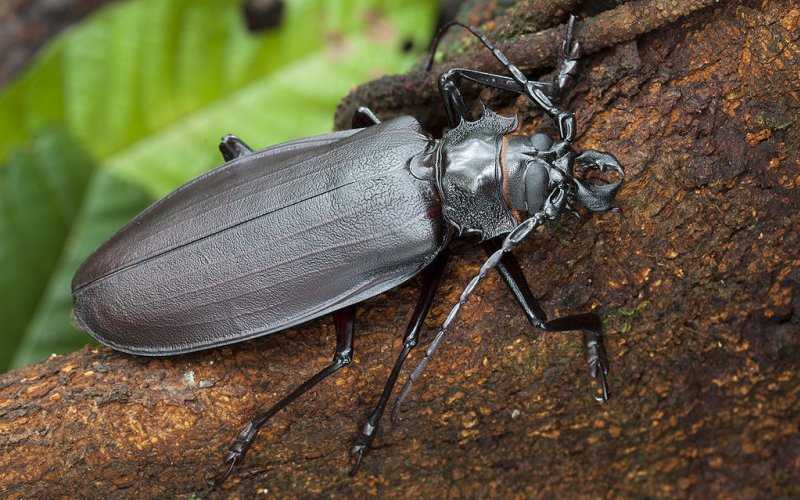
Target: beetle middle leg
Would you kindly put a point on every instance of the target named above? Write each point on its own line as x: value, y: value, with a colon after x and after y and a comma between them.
x: 344, y: 320
x: 591, y: 324
x: 432, y: 278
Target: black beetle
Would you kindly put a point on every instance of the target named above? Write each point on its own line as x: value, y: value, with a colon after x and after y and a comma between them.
x: 280, y: 236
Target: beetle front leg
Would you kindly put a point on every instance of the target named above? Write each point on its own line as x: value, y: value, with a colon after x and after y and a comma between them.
x: 540, y: 93
x: 590, y: 324
x: 232, y: 147
x: 596, y: 357
x: 344, y: 320
x: 432, y: 278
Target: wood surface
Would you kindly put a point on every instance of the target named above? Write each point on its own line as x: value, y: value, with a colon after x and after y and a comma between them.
x: 696, y: 276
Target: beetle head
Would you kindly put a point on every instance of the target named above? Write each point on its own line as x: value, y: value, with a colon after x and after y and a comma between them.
x: 537, y: 165
x: 533, y: 166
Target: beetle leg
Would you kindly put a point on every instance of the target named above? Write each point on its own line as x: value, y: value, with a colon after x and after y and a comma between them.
x: 492, y: 80
x: 567, y: 61
x: 364, y: 117
x: 432, y: 277
x: 454, y: 106
x: 515, y: 237
x: 344, y: 320
x: 511, y: 273
x: 456, y: 109
x: 232, y: 147
x: 591, y: 324
x: 539, y: 93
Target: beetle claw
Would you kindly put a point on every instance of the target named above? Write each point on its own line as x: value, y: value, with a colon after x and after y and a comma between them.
x: 362, y: 444
x: 230, y: 461
x: 570, y: 49
x: 603, y: 385
x: 358, y: 452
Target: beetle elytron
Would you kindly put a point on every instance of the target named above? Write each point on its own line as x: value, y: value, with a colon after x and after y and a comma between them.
x: 280, y: 236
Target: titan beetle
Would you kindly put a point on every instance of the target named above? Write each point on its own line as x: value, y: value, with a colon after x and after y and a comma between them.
x: 280, y: 236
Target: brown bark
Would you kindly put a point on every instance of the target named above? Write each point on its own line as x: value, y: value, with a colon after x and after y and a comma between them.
x: 26, y: 24
x: 696, y: 276
x: 417, y: 91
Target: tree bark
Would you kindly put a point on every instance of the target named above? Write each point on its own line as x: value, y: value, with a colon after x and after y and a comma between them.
x: 696, y: 277
x: 26, y: 24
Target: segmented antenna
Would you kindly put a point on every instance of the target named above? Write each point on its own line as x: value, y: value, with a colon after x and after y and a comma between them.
x: 553, y: 206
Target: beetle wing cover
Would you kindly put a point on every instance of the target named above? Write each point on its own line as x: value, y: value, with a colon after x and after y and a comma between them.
x: 217, y: 200
x: 264, y: 242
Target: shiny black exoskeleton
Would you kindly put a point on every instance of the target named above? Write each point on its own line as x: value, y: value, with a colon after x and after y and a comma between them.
x: 280, y: 236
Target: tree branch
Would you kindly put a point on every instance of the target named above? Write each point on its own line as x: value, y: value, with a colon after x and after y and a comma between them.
x: 416, y: 92
x: 696, y: 276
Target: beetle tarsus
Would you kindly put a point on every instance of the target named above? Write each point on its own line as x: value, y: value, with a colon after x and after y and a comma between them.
x: 364, y: 440
x: 358, y: 451
x: 238, y: 449
x: 604, y: 394
x: 568, y: 57
x: 597, y: 360
x: 357, y: 465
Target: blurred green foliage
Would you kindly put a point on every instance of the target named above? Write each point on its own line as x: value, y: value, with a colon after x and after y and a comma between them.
x: 131, y: 103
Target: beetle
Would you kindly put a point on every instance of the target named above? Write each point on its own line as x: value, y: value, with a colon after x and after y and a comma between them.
x: 277, y: 237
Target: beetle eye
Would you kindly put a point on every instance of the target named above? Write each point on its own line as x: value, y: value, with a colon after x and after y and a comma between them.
x: 541, y: 142
x: 537, y: 179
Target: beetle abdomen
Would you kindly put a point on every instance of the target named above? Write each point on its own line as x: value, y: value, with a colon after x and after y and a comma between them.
x: 340, y: 221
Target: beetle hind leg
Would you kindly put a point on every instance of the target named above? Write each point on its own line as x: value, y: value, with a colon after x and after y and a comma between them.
x: 344, y: 320
x: 232, y: 147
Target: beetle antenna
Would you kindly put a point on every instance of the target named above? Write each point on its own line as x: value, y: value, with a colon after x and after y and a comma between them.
x: 553, y: 208
x: 435, y: 43
x: 444, y: 29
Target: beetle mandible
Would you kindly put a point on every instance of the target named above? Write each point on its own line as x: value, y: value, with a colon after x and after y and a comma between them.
x: 277, y: 237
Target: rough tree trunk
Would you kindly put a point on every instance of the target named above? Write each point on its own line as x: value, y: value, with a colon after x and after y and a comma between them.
x: 696, y: 276
x: 26, y: 24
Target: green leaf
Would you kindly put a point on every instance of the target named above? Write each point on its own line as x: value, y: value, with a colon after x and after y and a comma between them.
x: 41, y: 191
x: 49, y: 330
x: 131, y: 103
